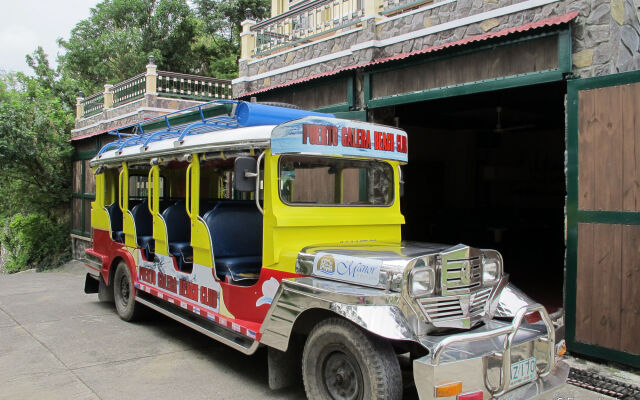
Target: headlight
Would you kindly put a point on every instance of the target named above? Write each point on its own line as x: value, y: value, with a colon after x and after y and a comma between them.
x: 422, y: 280
x: 491, y: 266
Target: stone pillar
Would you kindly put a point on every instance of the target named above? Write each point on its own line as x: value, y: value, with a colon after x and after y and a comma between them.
x: 247, y: 40
x: 152, y: 76
x: 108, y: 96
x: 79, y: 106
x: 372, y: 8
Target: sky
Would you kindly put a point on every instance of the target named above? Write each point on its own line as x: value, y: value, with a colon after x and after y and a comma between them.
x: 27, y: 24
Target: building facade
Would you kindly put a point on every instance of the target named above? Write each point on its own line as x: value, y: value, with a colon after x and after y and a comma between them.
x: 132, y: 101
x: 523, y: 126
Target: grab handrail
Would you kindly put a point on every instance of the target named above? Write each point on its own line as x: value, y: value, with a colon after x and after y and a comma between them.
x: 187, y: 204
x: 149, y: 199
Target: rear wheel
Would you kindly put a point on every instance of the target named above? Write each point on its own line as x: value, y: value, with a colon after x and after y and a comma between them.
x: 341, y: 362
x: 123, y: 292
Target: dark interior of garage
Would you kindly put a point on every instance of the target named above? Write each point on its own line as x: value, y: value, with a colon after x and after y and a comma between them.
x: 487, y: 170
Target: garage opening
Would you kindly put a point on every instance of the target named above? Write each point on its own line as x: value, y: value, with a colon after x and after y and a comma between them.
x: 487, y: 170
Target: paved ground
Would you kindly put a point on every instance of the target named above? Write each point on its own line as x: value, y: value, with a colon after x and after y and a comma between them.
x: 58, y: 343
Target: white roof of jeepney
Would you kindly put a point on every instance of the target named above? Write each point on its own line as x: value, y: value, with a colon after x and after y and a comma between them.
x: 253, y: 137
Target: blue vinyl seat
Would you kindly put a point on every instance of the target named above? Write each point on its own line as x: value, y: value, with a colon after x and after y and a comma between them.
x: 143, y: 221
x: 178, y: 232
x: 115, y: 218
x: 236, y: 232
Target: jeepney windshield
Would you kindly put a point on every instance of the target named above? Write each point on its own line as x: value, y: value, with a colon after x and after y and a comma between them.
x: 327, y: 181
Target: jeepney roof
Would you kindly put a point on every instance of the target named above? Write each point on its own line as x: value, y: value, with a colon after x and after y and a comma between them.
x: 248, y: 127
x: 252, y: 137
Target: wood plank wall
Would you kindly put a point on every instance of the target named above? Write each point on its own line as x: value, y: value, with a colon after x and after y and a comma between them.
x: 608, y: 287
x: 332, y: 91
x: 519, y: 58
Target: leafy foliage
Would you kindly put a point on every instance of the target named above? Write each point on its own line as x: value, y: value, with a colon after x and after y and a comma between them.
x: 33, y: 241
x: 114, y: 43
x: 37, y: 112
x: 35, y: 172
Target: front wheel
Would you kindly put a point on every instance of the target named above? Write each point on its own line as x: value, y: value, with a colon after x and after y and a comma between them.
x: 342, y: 362
x: 123, y: 292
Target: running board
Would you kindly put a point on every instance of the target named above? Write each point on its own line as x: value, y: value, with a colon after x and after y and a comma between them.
x: 212, y: 330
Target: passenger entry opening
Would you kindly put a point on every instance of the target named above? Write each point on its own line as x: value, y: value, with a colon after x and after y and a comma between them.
x: 233, y: 221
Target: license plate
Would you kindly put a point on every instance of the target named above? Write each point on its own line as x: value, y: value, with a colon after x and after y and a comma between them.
x: 523, y: 371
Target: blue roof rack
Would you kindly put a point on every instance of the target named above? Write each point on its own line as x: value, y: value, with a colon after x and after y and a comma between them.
x: 245, y: 114
x: 142, y: 138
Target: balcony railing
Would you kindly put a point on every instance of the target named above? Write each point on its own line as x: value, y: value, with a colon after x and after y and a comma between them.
x: 129, y: 90
x: 314, y: 20
x: 390, y: 7
x: 306, y: 22
x: 162, y: 83
x: 193, y: 86
x: 93, y: 104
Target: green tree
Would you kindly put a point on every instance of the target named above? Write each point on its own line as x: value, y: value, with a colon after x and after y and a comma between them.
x: 219, y: 40
x: 35, y: 168
x: 114, y: 43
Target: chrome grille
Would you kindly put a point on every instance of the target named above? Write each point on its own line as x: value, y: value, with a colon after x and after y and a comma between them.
x: 455, y: 307
x: 441, y: 308
x: 479, y: 301
x: 461, y: 270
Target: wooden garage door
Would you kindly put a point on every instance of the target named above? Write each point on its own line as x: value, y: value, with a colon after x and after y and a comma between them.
x: 603, y: 210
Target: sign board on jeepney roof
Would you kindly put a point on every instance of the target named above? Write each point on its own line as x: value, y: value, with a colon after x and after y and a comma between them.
x: 339, y: 137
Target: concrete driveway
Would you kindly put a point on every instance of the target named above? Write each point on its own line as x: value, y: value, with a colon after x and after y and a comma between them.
x: 58, y: 343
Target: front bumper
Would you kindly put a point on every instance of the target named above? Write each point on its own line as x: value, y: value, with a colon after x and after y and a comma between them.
x: 481, y: 360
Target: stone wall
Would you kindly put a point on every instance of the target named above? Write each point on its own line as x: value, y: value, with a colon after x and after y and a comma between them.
x: 78, y: 246
x: 606, y: 38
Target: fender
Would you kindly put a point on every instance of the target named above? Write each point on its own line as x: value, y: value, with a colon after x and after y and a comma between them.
x: 377, y: 311
x: 511, y: 300
x: 128, y: 259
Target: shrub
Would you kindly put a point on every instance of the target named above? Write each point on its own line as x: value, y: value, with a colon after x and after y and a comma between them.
x: 33, y: 241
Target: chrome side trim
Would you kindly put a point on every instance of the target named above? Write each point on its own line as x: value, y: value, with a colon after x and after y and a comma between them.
x: 223, y: 336
x: 377, y: 311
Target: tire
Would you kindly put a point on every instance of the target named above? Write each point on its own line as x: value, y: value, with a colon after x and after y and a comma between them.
x: 342, y: 362
x: 124, y: 293
x: 105, y: 293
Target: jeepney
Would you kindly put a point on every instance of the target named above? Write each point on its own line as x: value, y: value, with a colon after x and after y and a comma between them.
x: 261, y: 225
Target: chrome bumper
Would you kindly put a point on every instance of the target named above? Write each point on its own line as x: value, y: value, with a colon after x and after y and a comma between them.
x: 481, y: 360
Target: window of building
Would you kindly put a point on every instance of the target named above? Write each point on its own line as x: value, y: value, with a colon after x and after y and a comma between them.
x: 84, y: 192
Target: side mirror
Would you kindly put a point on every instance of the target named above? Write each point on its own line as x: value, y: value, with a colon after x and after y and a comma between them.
x: 245, y: 174
x: 401, y: 181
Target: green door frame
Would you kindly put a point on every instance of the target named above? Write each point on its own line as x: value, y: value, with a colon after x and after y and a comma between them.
x: 575, y: 216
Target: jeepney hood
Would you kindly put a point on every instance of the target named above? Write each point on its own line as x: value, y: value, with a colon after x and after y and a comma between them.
x: 373, y: 264
x: 444, y: 286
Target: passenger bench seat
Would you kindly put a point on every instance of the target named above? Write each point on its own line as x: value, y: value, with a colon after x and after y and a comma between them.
x: 178, y: 232
x: 115, y: 218
x: 143, y: 221
x: 236, y: 236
